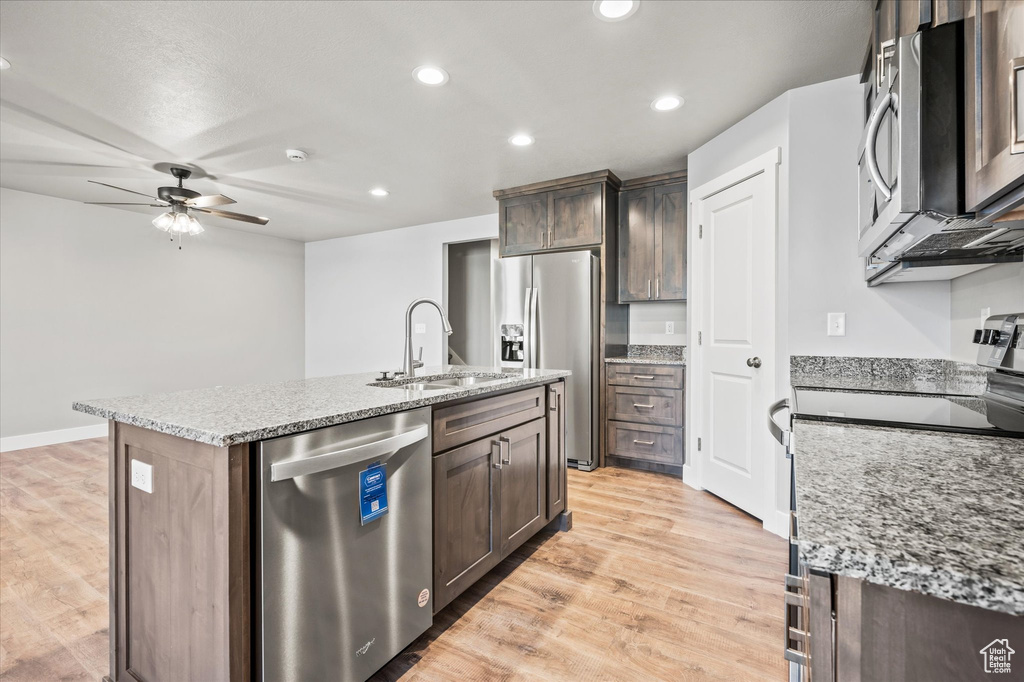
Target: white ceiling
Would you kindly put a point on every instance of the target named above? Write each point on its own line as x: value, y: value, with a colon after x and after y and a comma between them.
x: 107, y: 90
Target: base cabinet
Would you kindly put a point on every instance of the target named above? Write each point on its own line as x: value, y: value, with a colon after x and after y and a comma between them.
x: 644, y: 416
x: 495, y: 493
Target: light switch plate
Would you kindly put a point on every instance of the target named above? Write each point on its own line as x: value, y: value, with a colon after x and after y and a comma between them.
x: 837, y: 324
x: 670, y: 327
x: 142, y: 476
x: 421, y: 328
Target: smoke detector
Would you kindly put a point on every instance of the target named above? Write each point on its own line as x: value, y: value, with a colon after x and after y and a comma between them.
x: 296, y: 155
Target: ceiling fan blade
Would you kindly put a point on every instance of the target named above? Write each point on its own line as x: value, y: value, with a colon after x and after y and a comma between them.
x: 234, y: 216
x: 209, y: 200
x: 123, y: 189
x: 125, y: 203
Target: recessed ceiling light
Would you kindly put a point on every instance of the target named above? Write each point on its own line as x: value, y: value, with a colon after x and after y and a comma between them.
x: 379, y: 192
x: 521, y: 140
x: 430, y: 75
x: 4, y: 64
x: 615, y: 10
x: 667, y: 103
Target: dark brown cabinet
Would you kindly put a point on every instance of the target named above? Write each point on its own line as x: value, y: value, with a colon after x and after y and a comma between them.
x: 557, y: 215
x: 494, y: 493
x: 556, y: 461
x: 523, y: 481
x: 466, y: 523
x: 652, y: 239
x: 994, y: 50
x: 644, y: 418
x: 524, y: 224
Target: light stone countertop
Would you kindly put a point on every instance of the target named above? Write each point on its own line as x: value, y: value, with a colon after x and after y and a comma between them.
x: 229, y: 415
x: 937, y: 513
x: 646, y: 361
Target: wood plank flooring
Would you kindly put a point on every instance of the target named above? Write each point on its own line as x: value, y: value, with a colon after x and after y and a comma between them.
x: 655, y: 581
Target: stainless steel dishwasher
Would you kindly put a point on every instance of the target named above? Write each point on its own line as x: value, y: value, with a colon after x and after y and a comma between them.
x: 344, y: 547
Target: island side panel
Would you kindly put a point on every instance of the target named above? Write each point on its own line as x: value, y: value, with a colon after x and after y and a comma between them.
x: 180, y: 560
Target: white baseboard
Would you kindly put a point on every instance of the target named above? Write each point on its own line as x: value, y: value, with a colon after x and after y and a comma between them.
x: 777, y: 522
x: 35, y: 440
x: 691, y: 478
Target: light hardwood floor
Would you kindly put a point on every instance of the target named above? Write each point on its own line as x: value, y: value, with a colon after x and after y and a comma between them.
x: 655, y: 581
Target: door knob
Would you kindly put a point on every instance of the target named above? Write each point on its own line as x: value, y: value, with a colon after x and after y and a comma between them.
x: 754, y: 362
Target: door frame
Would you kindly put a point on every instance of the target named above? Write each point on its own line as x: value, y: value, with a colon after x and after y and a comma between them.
x: 766, y: 164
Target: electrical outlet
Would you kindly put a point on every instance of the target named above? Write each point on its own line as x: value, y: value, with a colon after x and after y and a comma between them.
x: 421, y: 328
x: 142, y: 476
x: 837, y: 324
x: 670, y: 327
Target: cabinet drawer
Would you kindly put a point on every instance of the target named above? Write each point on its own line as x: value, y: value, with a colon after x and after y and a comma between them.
x: 652, y: 376
x: 662, y: 444
x: 466, y: 422
x: 645, y: 405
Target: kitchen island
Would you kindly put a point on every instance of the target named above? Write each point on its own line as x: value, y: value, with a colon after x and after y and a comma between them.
x: 185, y: 524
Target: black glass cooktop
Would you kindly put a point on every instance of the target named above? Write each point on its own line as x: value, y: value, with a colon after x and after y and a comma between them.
x: 982, y: 415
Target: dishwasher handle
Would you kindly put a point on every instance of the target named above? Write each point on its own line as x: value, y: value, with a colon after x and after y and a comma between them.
x: 282, y: 471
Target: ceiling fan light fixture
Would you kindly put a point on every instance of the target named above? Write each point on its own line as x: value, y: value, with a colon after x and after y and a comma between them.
x: 163, y: 221
x: 181, y: 224
x: 194, y: 226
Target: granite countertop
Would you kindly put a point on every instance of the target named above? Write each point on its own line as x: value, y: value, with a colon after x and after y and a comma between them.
x: 229, y: 415
x: 626, y: 360
x: 637, y: 354
x: 887, y: 375
x: 932, y: 512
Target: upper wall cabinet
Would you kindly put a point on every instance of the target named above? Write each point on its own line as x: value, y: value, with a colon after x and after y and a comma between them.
x: 557, y: 215
x: 994, y: 47
x: 652, y: 239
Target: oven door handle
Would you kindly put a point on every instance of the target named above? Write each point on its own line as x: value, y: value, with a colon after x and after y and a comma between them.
x: 889, y: 100
x: 780, y: 434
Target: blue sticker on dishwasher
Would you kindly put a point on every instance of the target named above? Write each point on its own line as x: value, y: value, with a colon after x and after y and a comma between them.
x: 373, y: 493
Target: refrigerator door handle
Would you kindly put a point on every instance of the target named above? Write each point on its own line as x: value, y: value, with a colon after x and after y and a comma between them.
x: 534, y: 364
x: 527, y: 340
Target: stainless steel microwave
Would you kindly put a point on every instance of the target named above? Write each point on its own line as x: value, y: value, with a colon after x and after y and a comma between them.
x: 911, y: 164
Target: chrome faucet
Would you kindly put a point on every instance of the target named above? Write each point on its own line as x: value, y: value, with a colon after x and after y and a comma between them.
x: 408, y: 364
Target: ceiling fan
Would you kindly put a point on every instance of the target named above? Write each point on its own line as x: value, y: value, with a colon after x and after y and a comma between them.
x: 182, y: 202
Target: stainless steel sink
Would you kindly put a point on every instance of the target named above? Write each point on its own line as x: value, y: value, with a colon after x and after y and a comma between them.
x: 440, y: 383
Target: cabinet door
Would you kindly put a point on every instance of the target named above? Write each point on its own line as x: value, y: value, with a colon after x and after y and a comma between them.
x: 994, y: 45
x: 466, y: 516
x: 670, y: 242
x: 524, y: 224
x: 556, y: 464
x: 523, y: 494
x: 636, y: 245
x: 576, y: 217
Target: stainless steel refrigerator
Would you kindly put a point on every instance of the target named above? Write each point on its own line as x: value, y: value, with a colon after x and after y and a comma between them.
x: 546, y: 309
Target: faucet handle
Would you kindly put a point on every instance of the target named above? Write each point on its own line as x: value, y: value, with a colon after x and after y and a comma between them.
x: 384, y: 375
x: 420, y: 356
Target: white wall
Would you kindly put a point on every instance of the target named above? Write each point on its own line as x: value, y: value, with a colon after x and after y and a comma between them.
x: 95, y: 302
x: 647, y: 323
x: 999, y: 288
x: 357, y: 290
x: 825, y: 274
x: 818, y: 129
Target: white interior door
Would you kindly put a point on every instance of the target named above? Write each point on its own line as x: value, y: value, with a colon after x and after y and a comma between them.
x: 736, y: 374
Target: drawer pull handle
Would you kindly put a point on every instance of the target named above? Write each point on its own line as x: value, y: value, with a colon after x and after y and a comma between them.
x: 644, y: 442
x: 645, y: 377
x: 640, y: 405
